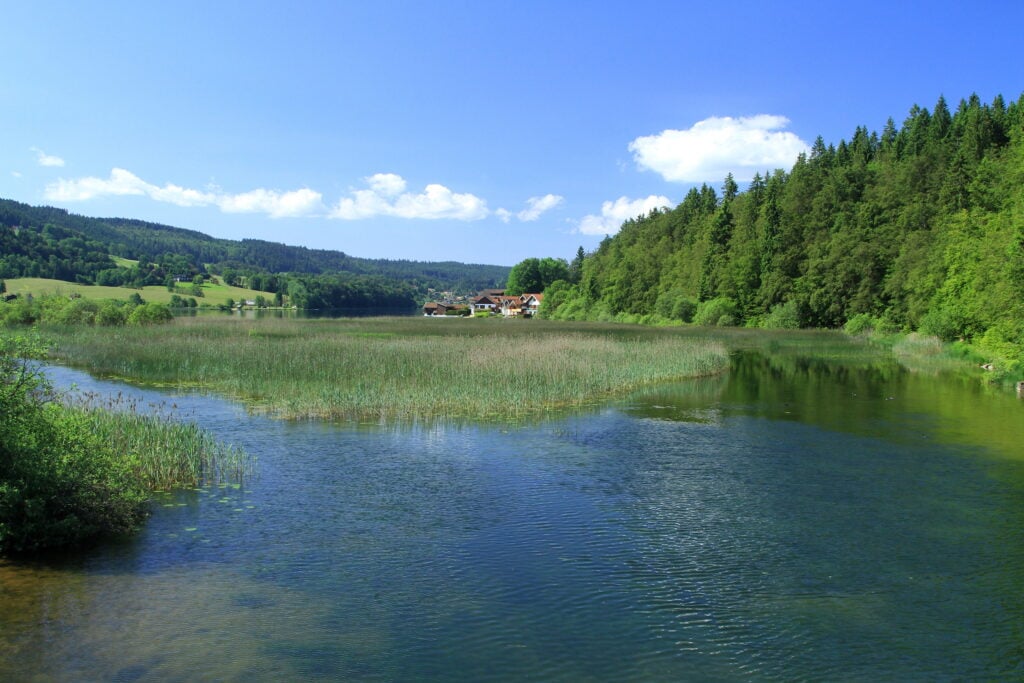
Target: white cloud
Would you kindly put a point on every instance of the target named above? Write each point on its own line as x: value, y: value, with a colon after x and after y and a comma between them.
x: 120, y: 182
x: 387, y: 197
x: 275, y: 204
x: 504, y: 215
x: 44, y: 159
x: 717, y: 146
x: 535, y: 206
x: 613, y: 214
x: 386, y: 184
x: 16, y: 174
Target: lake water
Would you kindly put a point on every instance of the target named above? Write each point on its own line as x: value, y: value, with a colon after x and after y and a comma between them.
x: 793, y: 520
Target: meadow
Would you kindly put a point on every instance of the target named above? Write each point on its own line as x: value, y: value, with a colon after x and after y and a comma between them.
x: 374, y: 369
x: 214, y: 295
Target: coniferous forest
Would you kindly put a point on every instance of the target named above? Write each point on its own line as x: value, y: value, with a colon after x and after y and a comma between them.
x: 917, y: 228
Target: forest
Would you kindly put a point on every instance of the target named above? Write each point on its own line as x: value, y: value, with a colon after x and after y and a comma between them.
x: 51, y: 243
x: 917, y: 228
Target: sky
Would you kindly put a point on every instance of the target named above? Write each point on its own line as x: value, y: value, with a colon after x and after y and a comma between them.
x: 481, y: 131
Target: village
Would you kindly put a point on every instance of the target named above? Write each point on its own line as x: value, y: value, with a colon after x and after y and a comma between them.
x: 487, y: 302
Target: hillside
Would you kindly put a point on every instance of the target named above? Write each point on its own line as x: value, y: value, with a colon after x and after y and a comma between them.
x: 920, y: 227
x: 52, y: 243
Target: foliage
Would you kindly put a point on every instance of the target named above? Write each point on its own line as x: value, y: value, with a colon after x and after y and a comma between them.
x: 70, y: 473
x: 783, y: 317
x: 60, y: 310
x: 60, y: 484
x: 45, y: 242
x: 150, y: 314
x: 920, y: 227
x: 720, y: 312
x: 534, y: 275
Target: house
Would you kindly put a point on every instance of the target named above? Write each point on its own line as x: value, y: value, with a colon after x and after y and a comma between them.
x: 487, y: 301
x: 511, y: 306
x: 434, y: 308
x: 531, y: 303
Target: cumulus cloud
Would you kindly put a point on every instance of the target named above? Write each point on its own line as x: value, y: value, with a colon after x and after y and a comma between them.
x: 717, y: 146
x: 384, y: 194
x: 535, y: 206
x: 614, y: 214
x: 44, y: 159
x: 274, y: 203
x: 387, y: 196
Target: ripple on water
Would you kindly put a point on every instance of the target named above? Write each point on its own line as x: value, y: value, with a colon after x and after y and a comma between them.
x: 605, y: 547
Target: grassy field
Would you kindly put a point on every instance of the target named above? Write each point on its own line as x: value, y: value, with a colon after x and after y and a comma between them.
x: 213, y: 295
x: 396, y: 368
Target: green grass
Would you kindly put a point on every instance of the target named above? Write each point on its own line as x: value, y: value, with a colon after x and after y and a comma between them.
x: 396, y: 368
x: 213, y: 295
x: 163, y: 452
x: 409, y: 368
x: 83, y: 467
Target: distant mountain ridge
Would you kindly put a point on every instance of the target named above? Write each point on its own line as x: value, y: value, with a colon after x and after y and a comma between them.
x: 144, y: 241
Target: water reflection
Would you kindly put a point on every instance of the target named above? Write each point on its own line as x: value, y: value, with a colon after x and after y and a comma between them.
x: 789, y: 520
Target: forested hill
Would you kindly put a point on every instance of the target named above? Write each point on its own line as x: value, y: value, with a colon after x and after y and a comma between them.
x: 50, y: 242
x: 919, y: 227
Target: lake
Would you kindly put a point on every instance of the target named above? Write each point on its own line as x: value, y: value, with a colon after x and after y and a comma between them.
x: 791, y: 520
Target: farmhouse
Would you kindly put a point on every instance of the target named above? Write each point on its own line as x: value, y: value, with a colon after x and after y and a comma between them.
x: 492, y: 301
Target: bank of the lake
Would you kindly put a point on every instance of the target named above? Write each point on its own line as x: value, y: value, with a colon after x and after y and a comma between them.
x: 795, y: 518
x: 395, y: 368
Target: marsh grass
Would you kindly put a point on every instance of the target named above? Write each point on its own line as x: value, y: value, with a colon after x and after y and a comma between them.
x: 397, y: 368
x: 163, y: 452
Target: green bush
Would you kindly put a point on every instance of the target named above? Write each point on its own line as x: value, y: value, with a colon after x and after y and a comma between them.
x: 862, y: 323
x: 111, y: 314
x: 719, y: 312
x: 75, y: 312
x: 150, y: 314
x: 60, y: 485
x: 675, y: 305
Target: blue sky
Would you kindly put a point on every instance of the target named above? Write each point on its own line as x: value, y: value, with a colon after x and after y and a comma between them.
x: 483, y: 131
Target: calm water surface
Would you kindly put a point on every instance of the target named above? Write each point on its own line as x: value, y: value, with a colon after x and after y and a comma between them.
x: 793, y: 520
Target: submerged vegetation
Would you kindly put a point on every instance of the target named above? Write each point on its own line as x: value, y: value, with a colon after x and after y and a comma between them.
x: 72, y: 471
x: 396, y: 368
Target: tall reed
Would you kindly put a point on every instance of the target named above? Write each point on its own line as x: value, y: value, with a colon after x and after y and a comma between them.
x: 397, y: 368
x: 162, y: 451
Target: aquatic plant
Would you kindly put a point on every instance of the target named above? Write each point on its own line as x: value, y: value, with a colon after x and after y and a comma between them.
x: 70, y: 473
x: 388, y: 368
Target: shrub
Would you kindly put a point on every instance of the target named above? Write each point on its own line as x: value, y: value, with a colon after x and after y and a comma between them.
x: 59, y: 484
x: 942, y: 323
x: 862, y: 323
x: 111, y: 314
x: 75, y: 312
x: 150, y: 314
x: 716, y: 312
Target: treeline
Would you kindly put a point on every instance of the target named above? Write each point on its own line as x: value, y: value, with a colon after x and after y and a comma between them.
x: 52, y: 243
x: 920, y: 227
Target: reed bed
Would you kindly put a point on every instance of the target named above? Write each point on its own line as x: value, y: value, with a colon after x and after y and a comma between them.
x: 394, y: 368
x: 162, y: 451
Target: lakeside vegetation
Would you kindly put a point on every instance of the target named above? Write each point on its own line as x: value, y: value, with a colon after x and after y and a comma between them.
x: 73, y: 469
x: 917, y: 229
x: 50, y: 243
x: 395, y: 368
x: 212, y: 294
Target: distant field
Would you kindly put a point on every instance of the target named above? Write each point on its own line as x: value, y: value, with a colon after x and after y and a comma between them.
x: 213, y: 295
